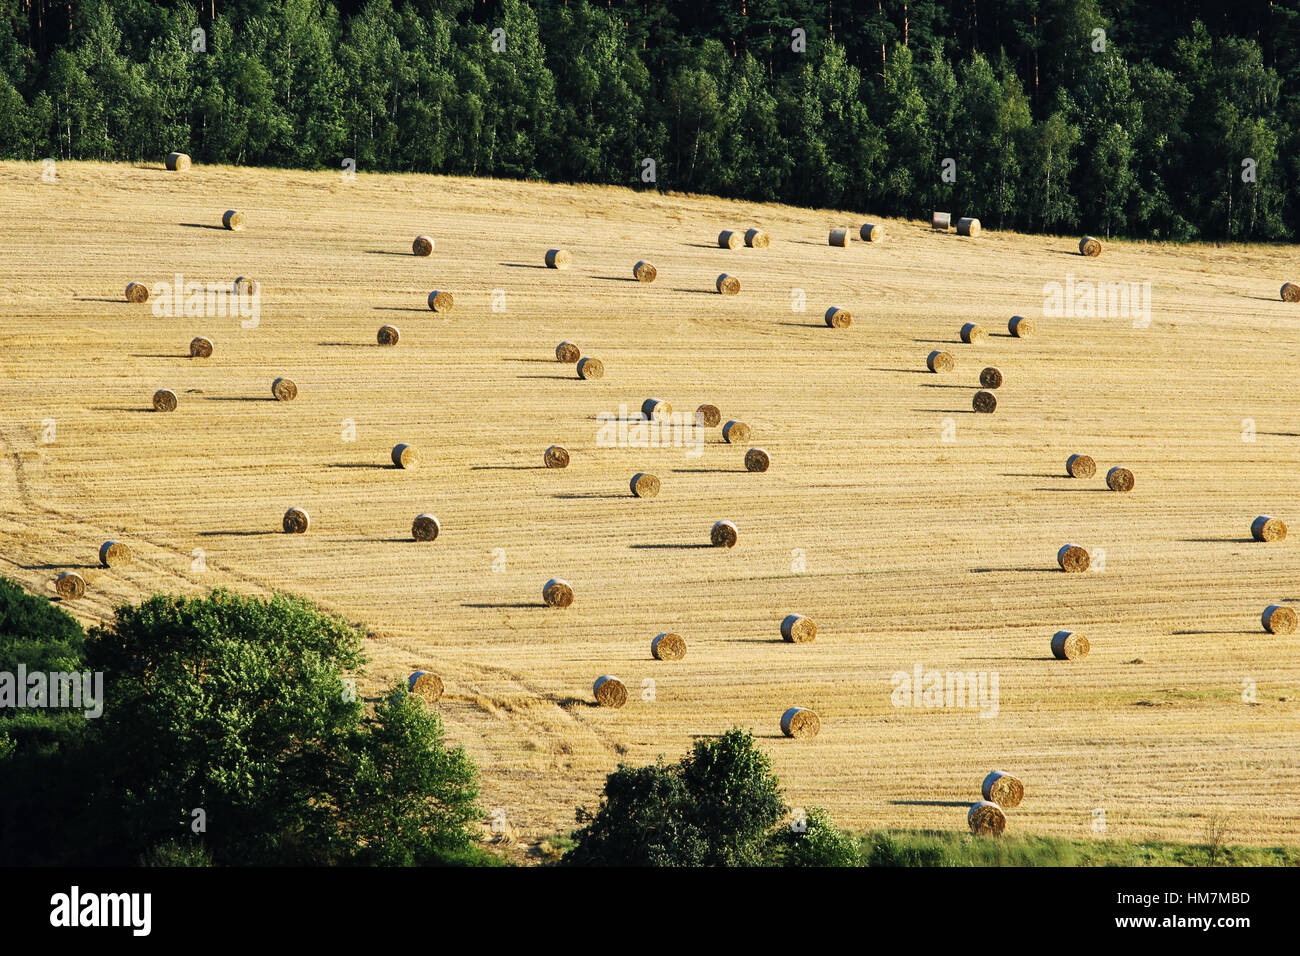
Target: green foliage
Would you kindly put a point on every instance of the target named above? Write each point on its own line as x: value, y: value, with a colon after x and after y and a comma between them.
x: 817, y: 842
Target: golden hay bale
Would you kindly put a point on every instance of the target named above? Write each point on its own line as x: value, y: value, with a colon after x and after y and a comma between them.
x: 1003, y: 789
x: 388, y: 335
x: 440, y: 301
x: 296, y: 521
x: 644, y: 272
x: 590, y: 368
x: 425, y: 527
x: 797, y: 629
x: 233, y: 220
x: 246, y: 285
x: 723, y: 534
x: 973, y: 332
x: 425, y: 684
x: 757, y: 239
x: 164, y: 400
x: 986, y: 819
x: 178, y: 162
x: 1073, y: 558
x: 69, y: 585
x: 1080, y: 466
x: 1290, y: 292
x: 136, y: 292
x: 708, y: 416
x: 200, y: 347
x: 939, y: 361
x: 1068, y: 646
x: 991, y: 377
x: 1268, y: 528
x: 941, y: 220
x: 735, y: 432
x: 800, y: 722
x: 655, y: 408
x: 984, y: 402
x: 668, y: 647
x: 730, y: 239
x: 405, y: 455
x: 968, y: 227
x: 609, y: 691
x: 1279, y: 620
x: 284, y: 389
x: 644, y: 485
x: 422, y: 246
x: 114, y: 553
x: 837, y: 318
x: 558, y: 258
x: 557, y: 593
x: 756, y: 459
x: 728, y: 285
x: 1090, y: 247
x: 1020, y: 327
x: 872, y: 232
x: 556, y: 456
x: 567, y: 352
x: 1119, y: 479
x: 840, y: 237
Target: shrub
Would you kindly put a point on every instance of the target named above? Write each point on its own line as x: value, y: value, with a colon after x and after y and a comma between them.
x: 818, y: 843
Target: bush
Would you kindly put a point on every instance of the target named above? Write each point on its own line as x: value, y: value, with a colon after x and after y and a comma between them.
x: 817, y: 843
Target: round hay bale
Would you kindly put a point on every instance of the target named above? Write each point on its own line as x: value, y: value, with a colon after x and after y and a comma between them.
x: 1119, y: 479
x: 136, y: 292
x: 968, y: 227
x: 1268, y: 528
x: 1090, y: 247
x: 296, y: 521
x: 1003, y: 789
x: 840, y: 237
x: 69, y: 585
x: 1068, y: 646
x: 558, y: 258
x: 973, y: 332
x: 556, y: 456
x: 422, y: 246
x: 644, y: 272
x: 1080, y: 466
x: 991, y: 377
x: 246, y: 285
x: 388, y: 335
x: 984, y: 402
x: 644, y: 485
x: 939, y: 361
x: 164, y: 400
x: 233, y: 220
x: 405, y: 455
x: 178, y: 162
x: 425, y: 527
x: 941, y: 220
x: 986, y: 819
x: 114, y: 553
x: 757, y: 239
x: 668, y: 647
x: 284, y: 389
x: 728, y: 285
x: 799, y: 722
x: 1278, y: 619
x: 557, y: 593
x: 756, y: 459
x: 708, y: 416
x: 609, y: 691
x: 425, y: 684
x: 200, y: 347
x: 567, y: 352
x: 590, y: 368
x: 871, y: 232
x: 655, y: 408
x: 723, y: 534
x: 735, y: 432
x: 729, y: 239
x: 797, y: 629
x: 1290, y: 292
x: 1073, y: 558
x: 837, y: 318
x: 1020, y: 327
x: 440, y: 301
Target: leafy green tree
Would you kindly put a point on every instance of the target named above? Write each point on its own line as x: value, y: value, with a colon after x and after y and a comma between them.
x: 818, y: 842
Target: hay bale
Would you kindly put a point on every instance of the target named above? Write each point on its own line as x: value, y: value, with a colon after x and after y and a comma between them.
x: 422, y: 246
x: 425, y: 527
x: 941, y: 220
x: 440, y: 301
x: 284, y: 389
x: 984, y: 402
x: 1119, y: 479
x: 557, y: 593
x: 388, y: 335
x: 1090, y: 247
x: 69, y: 585
x: 708, y: 416
x: 1268, y: 528
x: 723, y: 535
x: 735, y: 432
x: 1020, y: 327
x: 668, y: 647
x: 590, y: 368
x: 837, y: 318
x: 556, y: 456
x: 233, y: 220
x: 1069, y: 646
x: 567, y: 352
x: 609, y: 691
x: 728, y: 285
x: 1290, y: 292
x: 729, y: 239
x: 296, y: 521
x: 114, y: 553
x: 1003, y: 789
x: 245, y: 285
x: 136, y: 292
x: 200, y: 347
x: 756, y: 459
x: 655, y: 408
x: 991, y: 377
x: 799, y: 722
x: 1080, y: 466
x: 558, y: 258
x: 1278, y: 619
x: 939, y: 361
x: 405, y: 455
x: 871, y: 232
x: 986, y: 819
x: 164, y: 400
x: 840, y: 237
x: 644, y: 485
x: 1073, y: 558
x: 797, y: 629
x: 425, y: 684
x: 974, y: 333
x: 757, y: 239
x: 177, y: 162
x: 968, y: 227
x: 644, y: 271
